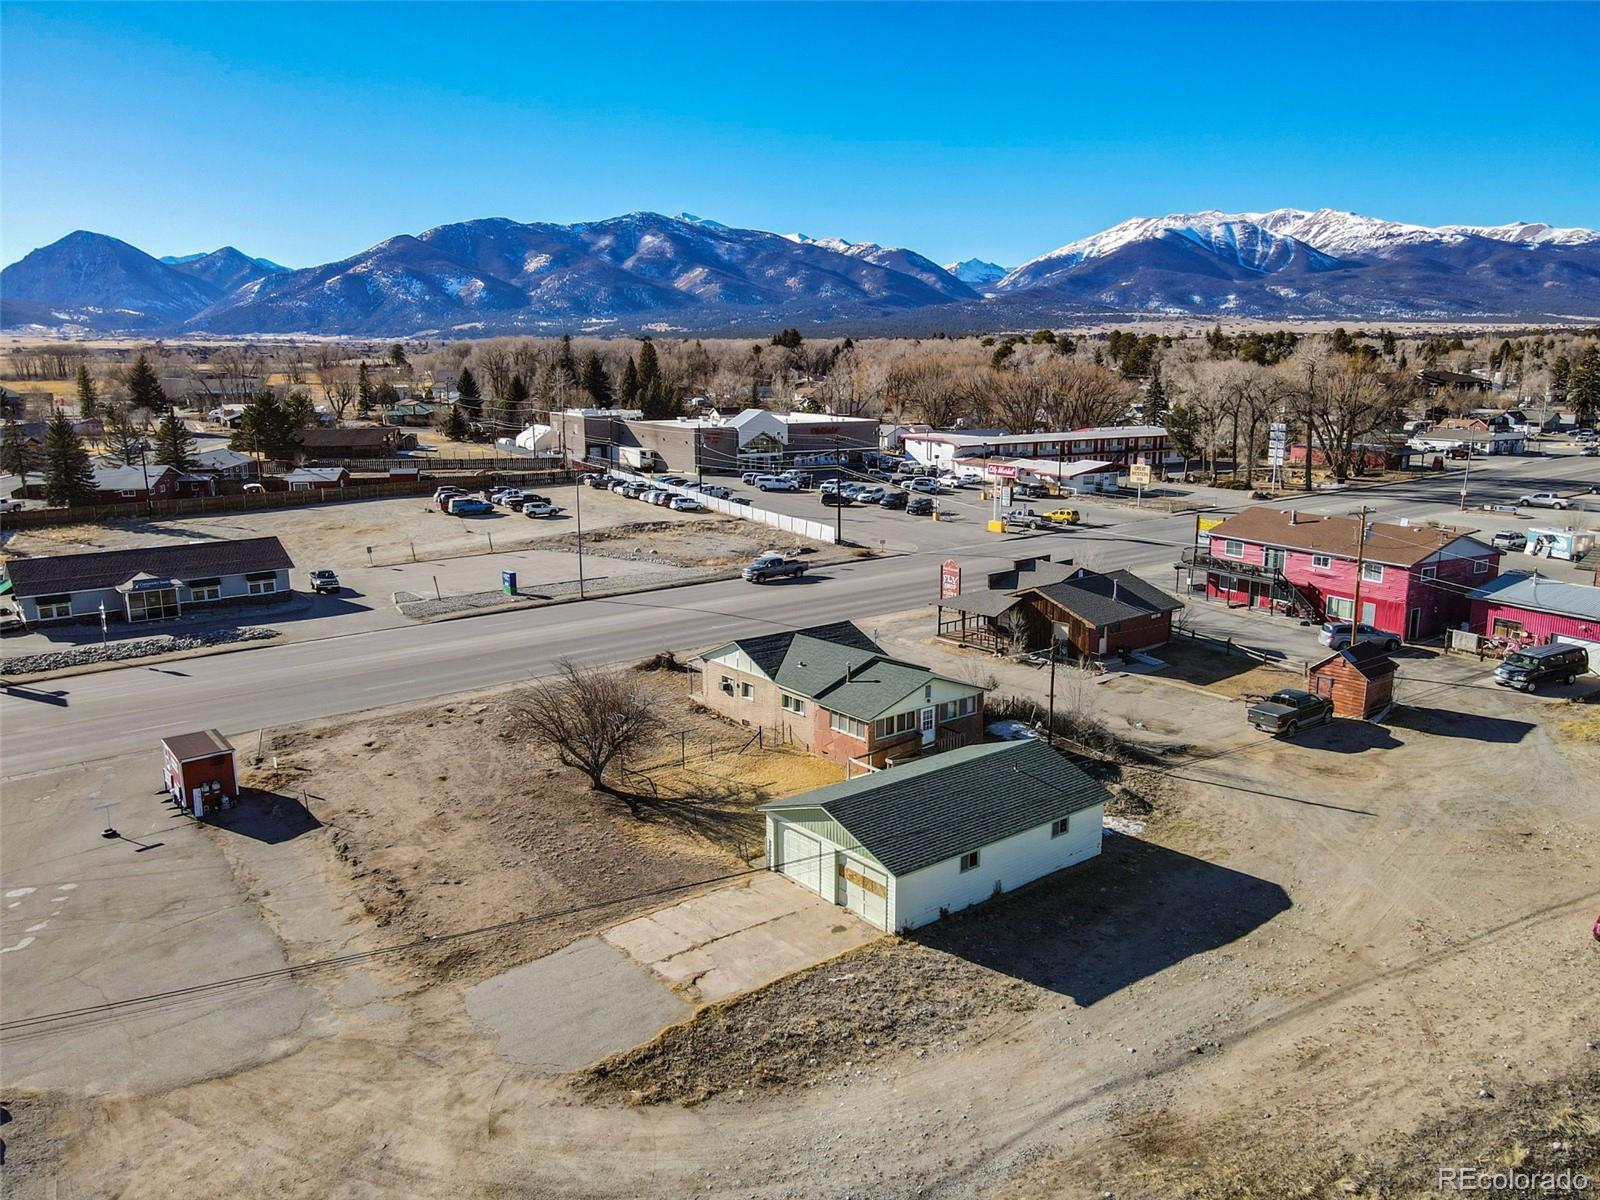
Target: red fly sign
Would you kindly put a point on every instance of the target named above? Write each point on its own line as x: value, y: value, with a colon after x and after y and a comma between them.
x: 949, y: 578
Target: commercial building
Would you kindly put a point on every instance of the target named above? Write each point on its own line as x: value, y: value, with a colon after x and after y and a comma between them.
x: 1414, y: 579
x: 1122, y: 445
x: 904, y: 846
x: 832, y: 690
x: 1528, y: 608
x: 198, y: 771
x: 150, y: 583
x: 754, y: 439
x: 367, y: 442
x: 1097, y: 615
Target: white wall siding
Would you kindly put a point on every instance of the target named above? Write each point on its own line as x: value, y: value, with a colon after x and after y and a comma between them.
x: 917, y: 898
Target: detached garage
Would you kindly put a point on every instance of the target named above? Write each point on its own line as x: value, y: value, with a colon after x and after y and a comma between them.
x: 906, y: 845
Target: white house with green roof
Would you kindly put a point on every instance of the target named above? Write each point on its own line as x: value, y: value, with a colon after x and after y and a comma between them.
x: 904, y: 846
x: 832, y: 690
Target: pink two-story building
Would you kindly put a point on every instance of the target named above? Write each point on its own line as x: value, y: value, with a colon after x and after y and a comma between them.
x: 1416, y: 580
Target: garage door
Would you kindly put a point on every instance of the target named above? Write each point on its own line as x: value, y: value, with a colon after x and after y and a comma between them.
x: 864, y: 890
x: 1593, y: 647
x: 800, y: 857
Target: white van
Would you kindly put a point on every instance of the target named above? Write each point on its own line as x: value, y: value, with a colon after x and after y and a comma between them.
x: 775, y: 483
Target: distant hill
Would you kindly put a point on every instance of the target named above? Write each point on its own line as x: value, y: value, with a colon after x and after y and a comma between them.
x: 691, y: 274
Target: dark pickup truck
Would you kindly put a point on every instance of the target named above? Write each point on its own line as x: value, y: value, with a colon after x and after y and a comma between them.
x: 773, y: 566
x: 1287, y: 712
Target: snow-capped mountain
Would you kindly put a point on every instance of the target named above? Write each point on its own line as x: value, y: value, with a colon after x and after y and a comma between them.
x: 688, y: 273
x: 976, y: 272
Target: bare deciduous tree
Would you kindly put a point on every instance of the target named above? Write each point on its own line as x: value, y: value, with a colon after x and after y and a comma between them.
x: 593, y: 717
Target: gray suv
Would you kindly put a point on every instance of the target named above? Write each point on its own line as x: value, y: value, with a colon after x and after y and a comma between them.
x: 1526, y: 669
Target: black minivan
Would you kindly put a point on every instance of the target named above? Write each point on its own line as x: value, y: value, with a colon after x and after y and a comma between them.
x: 1526, y: 669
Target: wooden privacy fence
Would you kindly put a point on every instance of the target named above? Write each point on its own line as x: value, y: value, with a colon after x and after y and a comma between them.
x: 35, y: 518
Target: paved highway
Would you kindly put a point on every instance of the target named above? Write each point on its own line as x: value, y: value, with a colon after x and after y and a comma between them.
x: 117, y: 711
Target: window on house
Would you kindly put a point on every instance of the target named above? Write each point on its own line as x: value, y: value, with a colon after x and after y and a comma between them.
x: 1233, y: 548
x: 128, y: 494
x: 1480, y: 566
x: 1341, y: 608
x: 746, y: 691
x: 1429, y: 572
x: 953, y: 709
x: 897, y: 723
x: 1372, y: 572
x: 53, y: 608
x: 262, y: 583
x: 969, y: 862
x: 793, y: 704
x: 927, y: 692
x: 205, y: 589
x: 725, y: 684
x: 1321, y: 562
x: 1057, y: 828
x: 840, y: 723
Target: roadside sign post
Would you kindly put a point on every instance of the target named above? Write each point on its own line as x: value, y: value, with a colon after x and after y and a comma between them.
x: 1278, y: 449
x: 1139, y: 475
x: 508, y: 582
x: 102, y: 622
x: 108, y: 832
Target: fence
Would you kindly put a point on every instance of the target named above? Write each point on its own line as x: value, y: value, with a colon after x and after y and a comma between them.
x: 35, y: 518
x: 817, y: 531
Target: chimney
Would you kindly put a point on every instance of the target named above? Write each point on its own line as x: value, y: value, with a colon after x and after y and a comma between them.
x: 1113, y: 587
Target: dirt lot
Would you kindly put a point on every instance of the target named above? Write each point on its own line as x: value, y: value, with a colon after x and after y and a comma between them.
x: 1326, y: 965
x: 443, y: 819
x: 337, y: 535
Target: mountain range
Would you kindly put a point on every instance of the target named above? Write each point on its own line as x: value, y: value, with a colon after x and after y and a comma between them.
x: 644, y: 271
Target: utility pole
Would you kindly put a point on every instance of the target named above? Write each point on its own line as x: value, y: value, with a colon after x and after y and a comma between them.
x: 1050, y: 729
x: 839, y: 497
x: 1311, y: 400
x: 1466, y: 473
x: 1361, y: 552
x: 577, y: 508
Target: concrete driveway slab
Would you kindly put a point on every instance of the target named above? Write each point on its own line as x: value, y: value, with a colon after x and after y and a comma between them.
x: 567, y: 1009
x: 744, y: 936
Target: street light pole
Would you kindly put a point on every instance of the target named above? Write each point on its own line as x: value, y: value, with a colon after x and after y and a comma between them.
x: 577, y: 508
x: 838, y: 495
x: 1466, y: 474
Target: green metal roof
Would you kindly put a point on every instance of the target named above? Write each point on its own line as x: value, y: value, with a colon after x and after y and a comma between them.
x: 944, y: 805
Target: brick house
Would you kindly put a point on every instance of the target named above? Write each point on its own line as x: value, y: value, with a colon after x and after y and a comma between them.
x: 1415, y: 579
x: 832, y: 690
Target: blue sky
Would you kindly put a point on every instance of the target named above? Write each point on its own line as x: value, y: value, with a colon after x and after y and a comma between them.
x: 307, y: 132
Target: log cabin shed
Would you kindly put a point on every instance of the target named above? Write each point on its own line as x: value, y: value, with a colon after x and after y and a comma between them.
x: 906, y: 845
x: 197, y: 769
x: 1358, y: 679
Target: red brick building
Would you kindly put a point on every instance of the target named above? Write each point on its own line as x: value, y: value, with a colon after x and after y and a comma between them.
x: 832, y: 690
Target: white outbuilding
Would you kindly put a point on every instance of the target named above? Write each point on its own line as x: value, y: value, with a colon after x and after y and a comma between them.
x: 904, y: 846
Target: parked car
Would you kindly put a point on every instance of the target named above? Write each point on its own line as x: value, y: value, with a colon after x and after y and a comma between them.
x: 870, y: 493
x: 749, y: 477
x: 768, y: 567
x: 802, y: 479
x: 466, y: 506
x: 835, y: 500
x: 921, y: 506
x: 715, y: 490
x: 8, y: 505
x: 1590, y: 451
x: 1335, y: 635
x: 1509, y: 539
x: 1586, y: 435
x: 952, y: 481
x: 894, y: 500
x: 661, y: 497
x: 1062, y: 516
x: 1526, y: 669
x: 1285, y: 713
x: 1544, y: 500
x: 775, y: 483
x: 1026, y: 518
x: 686, y: 504
x: 597, y: 481
x: 880, y: 475
x: 324, y: 582
x: 540, y: 508
x: 672, y: 480
x: 928, y: 487
x: 1027, y: 491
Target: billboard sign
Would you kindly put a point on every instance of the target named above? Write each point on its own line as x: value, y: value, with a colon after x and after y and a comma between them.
x: 949, y: 579
x: 1139, y: 474
x: 1002, y: 471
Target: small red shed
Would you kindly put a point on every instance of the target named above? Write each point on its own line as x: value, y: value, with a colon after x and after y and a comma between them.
x: 1358, y: 679
x: 197, y: 769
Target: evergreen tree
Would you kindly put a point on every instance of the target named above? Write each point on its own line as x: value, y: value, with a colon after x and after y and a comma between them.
x: 659, y: 402
x: 300, y: 410
x: 88, y: 398
x: 1155, y: 398
x: 174, y: 444
x: 471, y: 396
x: 789, y: 339
x: 397, y: 357
x: 68, y: 473
x: 267, y: 429
x: 454, y: 425
x: 595, y: 381
x: 1583, y: 386
x: 385, y: 396
x: 565, y: 363
x: 144, y: 388
x: 124, y: 441
x: 1184, y: 431
x: 628, y: 392
x: 513, y: 405
x: 649, y: 366
x: 363, y: 392
x: 18, y: 456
